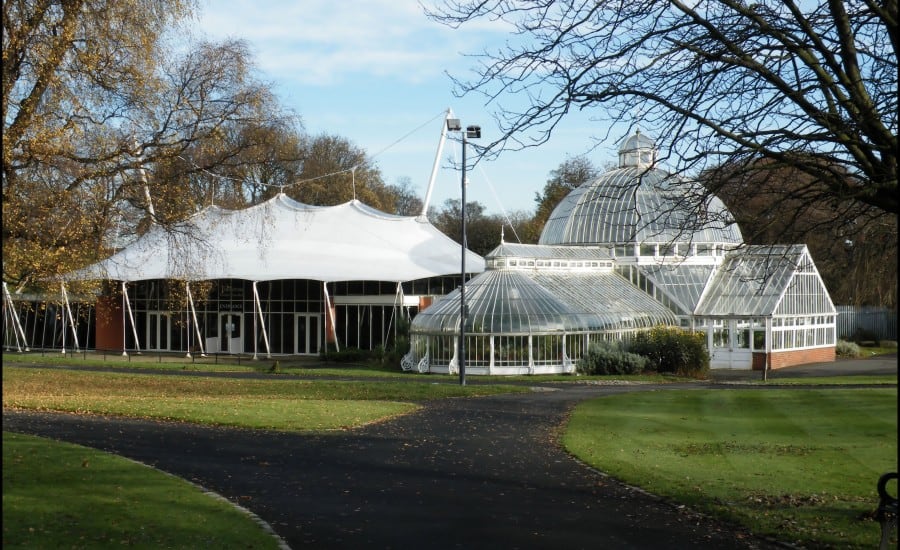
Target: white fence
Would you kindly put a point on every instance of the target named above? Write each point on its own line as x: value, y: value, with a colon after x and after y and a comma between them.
x: 871, y: 323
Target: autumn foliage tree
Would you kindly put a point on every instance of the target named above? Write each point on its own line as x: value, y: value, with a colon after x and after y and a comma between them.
x: 571, y: 173
x: 99, y: 103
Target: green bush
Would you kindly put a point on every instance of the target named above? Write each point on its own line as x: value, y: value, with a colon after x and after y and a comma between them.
x: 400, y: 346
x: 892, y: 344
x: 610, y: 358
x: 673, y: 350
x: 847, y: 349
x: 347, y: 355
x: 864, y: 335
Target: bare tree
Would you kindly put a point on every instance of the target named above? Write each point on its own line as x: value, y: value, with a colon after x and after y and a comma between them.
x: 806, y: 85
x: 406, y: 200
x: 854, y: 243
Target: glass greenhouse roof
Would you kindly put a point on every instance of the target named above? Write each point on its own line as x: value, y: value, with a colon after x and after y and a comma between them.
x: 515, y: 250
x: 635, y: 205
x: 618, y: 303
x: 504, y: 301
x: 766, y: 280
x: 521, y: 302
x: 684, y: 284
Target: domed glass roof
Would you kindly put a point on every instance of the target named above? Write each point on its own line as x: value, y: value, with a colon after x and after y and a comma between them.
x: 638, y: 203
x: 502, y: 301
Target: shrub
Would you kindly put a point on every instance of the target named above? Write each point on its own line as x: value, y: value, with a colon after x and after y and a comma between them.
x: 400, y: 346
x: 863, y: 335
x: 847, y: 349
x: 673, y: 350
x: 892, y: 344
x: 610, y: 358
x: 347, y: 355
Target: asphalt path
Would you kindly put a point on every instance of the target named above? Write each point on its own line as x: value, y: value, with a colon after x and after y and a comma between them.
x: 483, y: 472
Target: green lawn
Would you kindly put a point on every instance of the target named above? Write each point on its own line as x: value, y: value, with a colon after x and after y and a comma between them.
x: 277, y: 404
x: 800, y: 465
x: 59, y: 495
x: 306, y: 367
x: 99, y: 500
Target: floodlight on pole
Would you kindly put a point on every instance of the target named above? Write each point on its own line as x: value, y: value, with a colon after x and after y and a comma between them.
x: 471, y: 132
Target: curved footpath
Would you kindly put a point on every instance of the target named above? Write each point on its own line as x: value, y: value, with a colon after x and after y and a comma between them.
x: 480, y: 472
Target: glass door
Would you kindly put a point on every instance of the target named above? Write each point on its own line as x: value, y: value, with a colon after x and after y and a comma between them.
x: 230, y: 333
x: 158, y: 324
x: 308, y: 334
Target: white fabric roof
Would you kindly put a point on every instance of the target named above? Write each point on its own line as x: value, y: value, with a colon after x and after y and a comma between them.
x: 285, y: 239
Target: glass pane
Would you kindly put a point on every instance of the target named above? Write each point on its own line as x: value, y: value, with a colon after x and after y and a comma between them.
x: 302, y: 336
x: 313, y: 336
x: 759, y: 340
x: 152, y: 330
x: 720, y: 338
x: 163, y: 332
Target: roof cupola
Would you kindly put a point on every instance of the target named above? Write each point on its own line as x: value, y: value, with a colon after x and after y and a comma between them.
x: 638, y: 151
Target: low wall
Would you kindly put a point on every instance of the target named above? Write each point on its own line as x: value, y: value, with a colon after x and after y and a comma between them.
x: 781, y: 359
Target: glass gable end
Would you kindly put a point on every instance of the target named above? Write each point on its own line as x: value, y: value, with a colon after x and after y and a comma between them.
x: 766, y: 280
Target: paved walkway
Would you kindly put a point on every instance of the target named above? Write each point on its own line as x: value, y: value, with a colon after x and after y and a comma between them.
x: 882, y: 364
x: 462, y: 473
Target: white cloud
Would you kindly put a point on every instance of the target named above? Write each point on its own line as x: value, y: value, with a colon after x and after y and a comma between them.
x: 325, y: 42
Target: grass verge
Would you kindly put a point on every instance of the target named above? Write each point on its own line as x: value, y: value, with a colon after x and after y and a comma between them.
x: 101, y: 500
x: 276, y: 404
x: 305, y: 367
x: 799, y: 465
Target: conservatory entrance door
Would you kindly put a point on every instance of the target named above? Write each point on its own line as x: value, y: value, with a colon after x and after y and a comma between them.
x: 308, y: 331
x: 230, y: 333
x: 729, y: 344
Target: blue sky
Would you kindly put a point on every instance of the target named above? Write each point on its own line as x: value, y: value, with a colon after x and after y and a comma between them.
x: 374, y: 72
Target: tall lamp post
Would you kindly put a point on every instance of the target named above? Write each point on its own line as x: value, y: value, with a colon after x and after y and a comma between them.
x: 473, y: 132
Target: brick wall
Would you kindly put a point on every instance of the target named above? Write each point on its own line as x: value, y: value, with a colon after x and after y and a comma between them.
x: 781, y: 359
x: 108, y: 312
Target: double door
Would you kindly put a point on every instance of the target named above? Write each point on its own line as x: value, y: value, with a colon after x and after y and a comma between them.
x: 230, y: 339
x: 308, y: 338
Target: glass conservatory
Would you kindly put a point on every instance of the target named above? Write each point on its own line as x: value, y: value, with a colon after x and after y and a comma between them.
x: 629, y: 250
x: 515, y: 323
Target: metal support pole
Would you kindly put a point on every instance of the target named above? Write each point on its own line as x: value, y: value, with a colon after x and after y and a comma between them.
x: 137, y: 342
x: 462, y: 272
x: 68, y: 314
x: 187, y: 287
x: 262, y: 323
x: 14, y: 319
